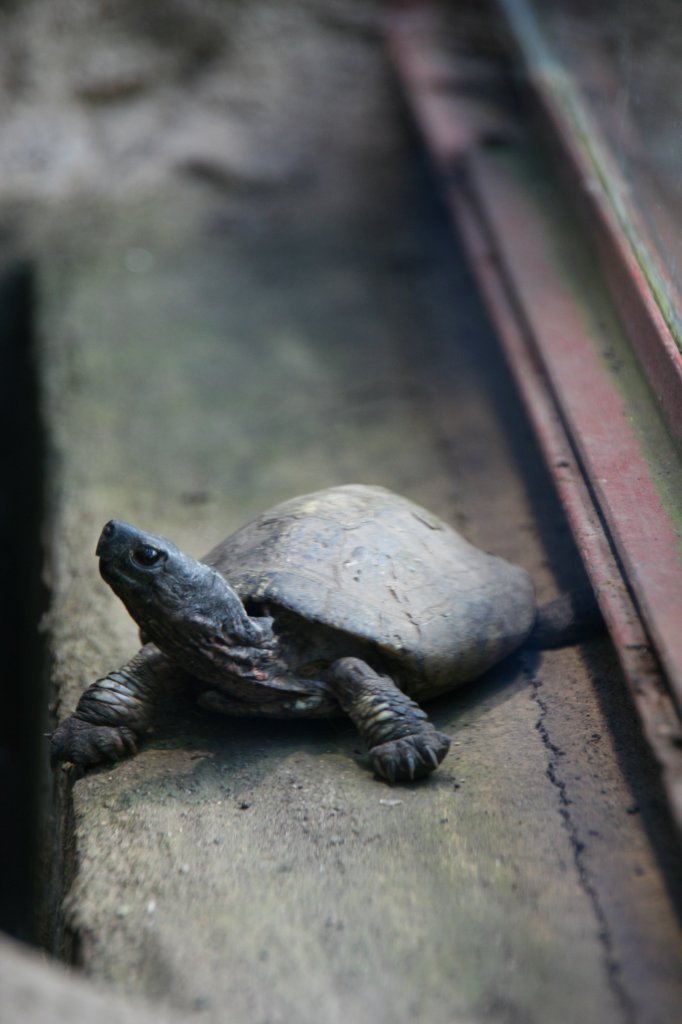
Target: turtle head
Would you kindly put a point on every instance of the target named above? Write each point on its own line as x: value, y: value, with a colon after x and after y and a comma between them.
x: 179, y: 603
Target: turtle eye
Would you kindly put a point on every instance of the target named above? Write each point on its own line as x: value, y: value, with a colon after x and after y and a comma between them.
x: 147, y: 555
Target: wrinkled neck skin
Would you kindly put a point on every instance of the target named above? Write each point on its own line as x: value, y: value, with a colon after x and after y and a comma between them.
x: 198, y: 620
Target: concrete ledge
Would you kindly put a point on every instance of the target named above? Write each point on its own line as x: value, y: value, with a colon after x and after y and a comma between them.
x: 258, y: 866
x: 42, y: 992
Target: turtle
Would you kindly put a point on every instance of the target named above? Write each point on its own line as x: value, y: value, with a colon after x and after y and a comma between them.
x: 349, y: 600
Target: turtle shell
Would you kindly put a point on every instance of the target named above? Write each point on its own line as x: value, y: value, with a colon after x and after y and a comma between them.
x: 378, y: 568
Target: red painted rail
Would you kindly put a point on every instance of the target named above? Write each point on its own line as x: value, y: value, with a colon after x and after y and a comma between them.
x: 611, y: 455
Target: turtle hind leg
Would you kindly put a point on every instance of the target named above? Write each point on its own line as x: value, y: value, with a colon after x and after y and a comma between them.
x: 403, y: 744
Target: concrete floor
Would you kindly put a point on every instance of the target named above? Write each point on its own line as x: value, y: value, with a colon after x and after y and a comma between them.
x: 203, y: 356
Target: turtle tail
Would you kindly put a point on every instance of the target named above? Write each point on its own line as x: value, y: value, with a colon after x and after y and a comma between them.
x: 567, y: 620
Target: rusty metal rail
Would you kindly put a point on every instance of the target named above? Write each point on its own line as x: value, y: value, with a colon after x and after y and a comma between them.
x: 608, y: 441
x: 646, y: 298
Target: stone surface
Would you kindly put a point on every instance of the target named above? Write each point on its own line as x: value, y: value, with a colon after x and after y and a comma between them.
x: 99, y: 102
x: 36, y: 990
x: 258, y: 865
x: 204, y: 353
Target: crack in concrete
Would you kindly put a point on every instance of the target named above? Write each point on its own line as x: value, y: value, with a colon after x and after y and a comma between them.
x: 611, y: 963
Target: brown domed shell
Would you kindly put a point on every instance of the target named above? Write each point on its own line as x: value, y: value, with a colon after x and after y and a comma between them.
x: 364, y: 561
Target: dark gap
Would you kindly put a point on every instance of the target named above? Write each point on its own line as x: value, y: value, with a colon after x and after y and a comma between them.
x: 23, y: 766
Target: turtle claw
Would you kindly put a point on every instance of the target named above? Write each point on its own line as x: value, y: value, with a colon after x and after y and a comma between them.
x: 432, y: 756
x: 410, y: 757
x: 84, y: 744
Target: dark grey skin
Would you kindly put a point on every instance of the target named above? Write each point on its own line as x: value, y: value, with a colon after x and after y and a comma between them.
x: 334, y: 599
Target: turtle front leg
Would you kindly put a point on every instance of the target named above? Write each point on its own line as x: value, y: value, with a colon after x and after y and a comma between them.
x: 403, y: 744
x: 112, y: 713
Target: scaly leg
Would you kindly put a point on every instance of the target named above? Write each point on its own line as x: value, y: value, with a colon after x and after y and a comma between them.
x: 112, y: 712
x: 403, y: 744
